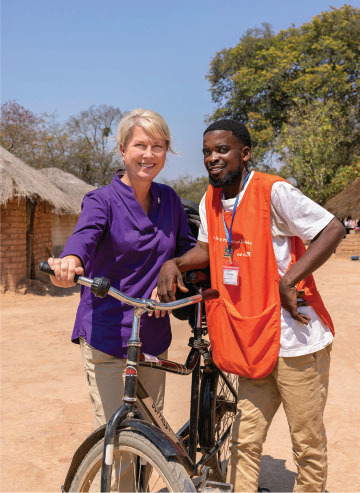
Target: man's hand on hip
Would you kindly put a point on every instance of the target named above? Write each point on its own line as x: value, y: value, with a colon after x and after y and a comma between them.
x: 289, y: 300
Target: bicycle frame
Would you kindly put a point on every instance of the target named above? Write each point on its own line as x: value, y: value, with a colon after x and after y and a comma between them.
x: 137, y: 401
x: 139, y: 404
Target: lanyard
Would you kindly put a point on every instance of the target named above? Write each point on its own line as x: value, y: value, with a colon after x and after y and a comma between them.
x: 228, y: 233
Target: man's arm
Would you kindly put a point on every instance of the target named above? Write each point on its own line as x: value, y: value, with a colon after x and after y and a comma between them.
x: 170, y: 273
x: 319, y: 250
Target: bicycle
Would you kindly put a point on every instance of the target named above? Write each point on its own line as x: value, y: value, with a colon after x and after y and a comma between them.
x: 138, y: 444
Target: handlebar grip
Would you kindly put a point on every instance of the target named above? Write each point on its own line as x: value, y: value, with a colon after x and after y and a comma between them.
x: 45, y: 267
x: 210, y: 294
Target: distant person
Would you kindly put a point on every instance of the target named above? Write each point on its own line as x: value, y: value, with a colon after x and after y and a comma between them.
x: 125, y: 232
x: 347, y: 224
x: 269, y: 325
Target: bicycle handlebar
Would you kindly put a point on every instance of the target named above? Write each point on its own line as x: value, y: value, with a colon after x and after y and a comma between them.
x: 100, y: 287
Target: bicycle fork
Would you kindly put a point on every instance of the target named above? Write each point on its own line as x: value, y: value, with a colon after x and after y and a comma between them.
x: 131, y: 379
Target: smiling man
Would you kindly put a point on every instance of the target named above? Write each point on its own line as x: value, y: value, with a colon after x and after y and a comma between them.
x: 269, y: 325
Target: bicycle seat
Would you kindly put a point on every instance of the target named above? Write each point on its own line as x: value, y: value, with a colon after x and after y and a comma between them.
x: 199, y: 278
x: 193, y: 280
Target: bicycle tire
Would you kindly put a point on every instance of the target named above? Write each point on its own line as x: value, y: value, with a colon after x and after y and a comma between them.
x: 147, y: 460
x: 221, y: 414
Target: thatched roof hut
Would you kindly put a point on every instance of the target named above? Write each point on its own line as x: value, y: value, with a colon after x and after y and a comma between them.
x: 38, y: 212
x: 63, y: 223
x: 347, y: 202
x: 18, y: 180
x: 70, y: 185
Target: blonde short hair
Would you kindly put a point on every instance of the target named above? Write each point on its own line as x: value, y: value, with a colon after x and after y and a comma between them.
x: 153, y: 123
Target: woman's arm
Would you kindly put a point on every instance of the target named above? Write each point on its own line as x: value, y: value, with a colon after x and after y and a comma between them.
x: 80, y: 246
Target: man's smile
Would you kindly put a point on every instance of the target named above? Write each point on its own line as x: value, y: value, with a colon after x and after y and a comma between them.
x: 216, y: 168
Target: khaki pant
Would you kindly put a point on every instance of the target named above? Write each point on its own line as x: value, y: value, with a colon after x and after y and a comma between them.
x: 106, y: 381
x: 301, y: 385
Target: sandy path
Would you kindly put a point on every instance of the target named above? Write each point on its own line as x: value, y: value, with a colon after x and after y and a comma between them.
x: 45, y: 412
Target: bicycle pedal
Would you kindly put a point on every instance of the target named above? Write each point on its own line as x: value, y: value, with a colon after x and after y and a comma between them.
x: 215, y: 486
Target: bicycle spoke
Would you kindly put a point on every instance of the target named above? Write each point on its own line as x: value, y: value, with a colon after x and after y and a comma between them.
x: 225, y: 412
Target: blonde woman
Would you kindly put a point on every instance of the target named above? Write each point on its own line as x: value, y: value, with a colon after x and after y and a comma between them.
x: 125, y: 232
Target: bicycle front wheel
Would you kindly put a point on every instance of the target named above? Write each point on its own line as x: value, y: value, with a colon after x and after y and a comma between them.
x: 138, y: 466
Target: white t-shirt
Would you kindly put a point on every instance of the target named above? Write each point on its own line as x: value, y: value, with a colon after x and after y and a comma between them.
x: 292, y: 214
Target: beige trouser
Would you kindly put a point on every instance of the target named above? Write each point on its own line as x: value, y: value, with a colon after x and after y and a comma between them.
x: 301, y: 385
x: 106, y: 381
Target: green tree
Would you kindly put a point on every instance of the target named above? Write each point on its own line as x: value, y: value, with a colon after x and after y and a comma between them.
x: 310, y: 145
x: 266, y: 77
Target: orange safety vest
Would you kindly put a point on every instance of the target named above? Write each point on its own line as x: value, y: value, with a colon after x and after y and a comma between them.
x: 244, y: 322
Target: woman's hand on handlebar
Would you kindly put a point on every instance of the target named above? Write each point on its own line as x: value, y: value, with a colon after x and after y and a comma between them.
x: 158, y: 313
x: 65, y: 269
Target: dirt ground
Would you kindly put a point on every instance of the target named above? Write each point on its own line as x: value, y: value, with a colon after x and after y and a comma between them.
x: 45, y: 409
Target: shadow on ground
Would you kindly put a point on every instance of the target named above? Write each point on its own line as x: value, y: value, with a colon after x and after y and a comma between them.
x: 275, y: 476
x: 43, y: 287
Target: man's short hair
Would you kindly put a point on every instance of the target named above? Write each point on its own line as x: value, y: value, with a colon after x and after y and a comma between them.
x: 237, y: 128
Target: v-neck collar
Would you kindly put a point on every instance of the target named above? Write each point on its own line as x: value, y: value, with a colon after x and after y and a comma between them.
x: 142, y: 220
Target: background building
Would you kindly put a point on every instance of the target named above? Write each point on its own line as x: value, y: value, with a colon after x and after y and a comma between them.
x: 36, y: 216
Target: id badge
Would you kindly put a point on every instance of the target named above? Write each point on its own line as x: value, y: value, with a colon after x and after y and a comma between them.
x: 231, y: 273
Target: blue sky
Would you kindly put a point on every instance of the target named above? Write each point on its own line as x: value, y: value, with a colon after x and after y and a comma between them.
x: 64, y: 55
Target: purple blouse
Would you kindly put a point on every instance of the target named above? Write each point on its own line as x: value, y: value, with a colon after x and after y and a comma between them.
x: 116, y: 239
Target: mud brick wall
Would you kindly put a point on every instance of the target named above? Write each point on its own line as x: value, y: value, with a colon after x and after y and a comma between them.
x: 12, y: 243
x: 62, y: 228
x: 42, y: 239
